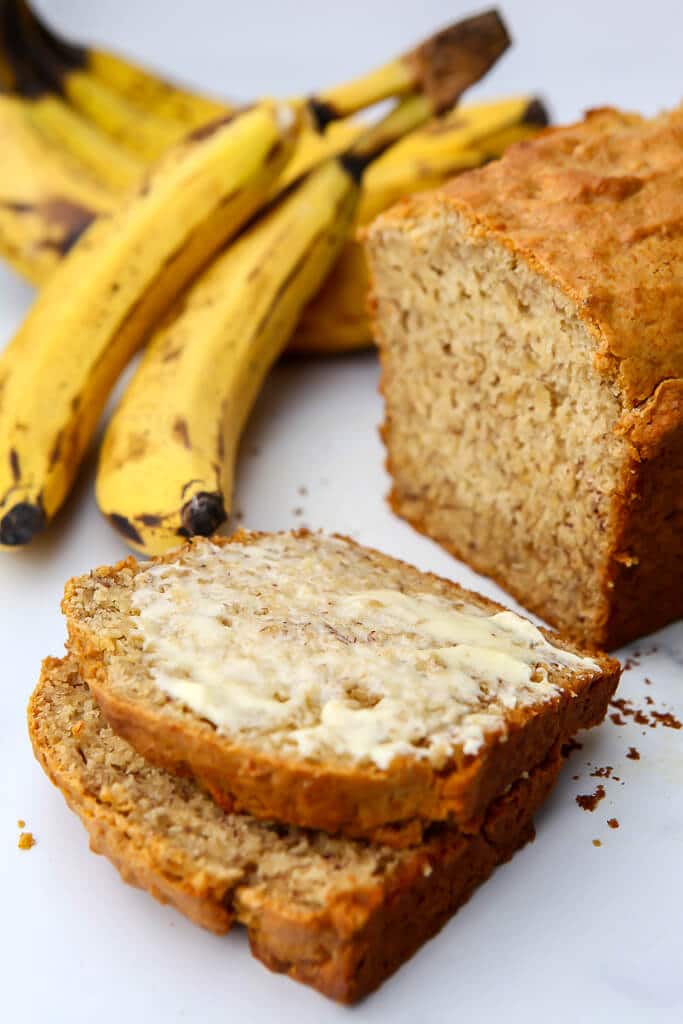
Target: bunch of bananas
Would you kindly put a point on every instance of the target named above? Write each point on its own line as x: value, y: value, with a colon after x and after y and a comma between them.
x: 120, y: 194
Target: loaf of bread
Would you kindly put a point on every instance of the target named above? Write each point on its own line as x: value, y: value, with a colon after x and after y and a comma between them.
x: 530, y: 324
x: 336, y: 914
x: 306, y: 679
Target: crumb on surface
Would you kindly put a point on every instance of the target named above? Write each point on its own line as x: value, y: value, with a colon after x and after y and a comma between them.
x: 596, y: 842
x: 613, y: 823
x: 26, y: 841
x: 21, y: 823
x: 633, y: 754
x: 589, y: 801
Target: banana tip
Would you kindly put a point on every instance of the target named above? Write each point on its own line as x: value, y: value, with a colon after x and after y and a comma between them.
x: 203, y: 514
x: 21, y: 524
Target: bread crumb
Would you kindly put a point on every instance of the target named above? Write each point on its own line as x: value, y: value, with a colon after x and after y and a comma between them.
x: 589, y: 801
x: 21, y: 823
x: 596, y: 842
x: 633, y: 754
x: 613, y: 823
x: 26, y: 841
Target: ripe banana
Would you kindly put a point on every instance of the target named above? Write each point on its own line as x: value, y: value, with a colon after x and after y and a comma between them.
x: 143, y: 136
x: 148, y: 92
x: 103, y: 301
x: 167, y: 461
x: 336, y: 319
x: 46, y: 198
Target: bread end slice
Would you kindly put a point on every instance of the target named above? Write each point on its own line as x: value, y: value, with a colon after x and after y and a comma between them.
x: 334, y: 913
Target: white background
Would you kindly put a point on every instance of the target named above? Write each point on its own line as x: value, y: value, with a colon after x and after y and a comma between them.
x: 567, y: 932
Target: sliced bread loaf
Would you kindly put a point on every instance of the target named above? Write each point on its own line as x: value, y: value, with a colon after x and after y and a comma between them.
x: 336, y: 914
x: 307, y: 679
x: 528, y: 317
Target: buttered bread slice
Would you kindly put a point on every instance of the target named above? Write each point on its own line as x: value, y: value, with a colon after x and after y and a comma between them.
x: 307, y: 679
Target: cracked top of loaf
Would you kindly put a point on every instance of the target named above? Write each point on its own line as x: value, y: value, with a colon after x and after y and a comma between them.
x: 596, y: 207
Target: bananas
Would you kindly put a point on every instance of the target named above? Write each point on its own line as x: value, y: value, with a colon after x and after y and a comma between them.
x: 167, y: 461
x: 104, y: 300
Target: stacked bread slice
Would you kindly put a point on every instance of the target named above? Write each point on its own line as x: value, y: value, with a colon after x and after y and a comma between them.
x: 309, y: 738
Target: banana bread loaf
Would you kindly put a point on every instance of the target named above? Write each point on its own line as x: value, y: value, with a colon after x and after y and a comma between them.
x: 530, y: 324
x: 336, y: 914
x: 304, y: 678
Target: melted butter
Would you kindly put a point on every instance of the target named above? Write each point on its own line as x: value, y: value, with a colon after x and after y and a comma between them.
x: 274, y: 643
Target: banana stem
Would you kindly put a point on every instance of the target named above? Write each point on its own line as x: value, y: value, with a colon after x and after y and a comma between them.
x: 441, y: 67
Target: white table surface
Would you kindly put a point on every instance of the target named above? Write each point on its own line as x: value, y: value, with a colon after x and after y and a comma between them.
x: 567, y: 932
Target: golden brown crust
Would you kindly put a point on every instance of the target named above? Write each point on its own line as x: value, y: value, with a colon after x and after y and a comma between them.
x: 346, y: 946
x: 392, y: 806
x: 596, y: 208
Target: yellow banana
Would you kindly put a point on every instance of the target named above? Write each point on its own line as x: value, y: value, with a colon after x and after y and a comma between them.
x: 132, y: 129
x: 167, y: 461
x: 115, y: 284
x: 101, y: 157
x: 144, y: 90
x: 336, y: 319
x: 166, y: 464
x: 46, y: 198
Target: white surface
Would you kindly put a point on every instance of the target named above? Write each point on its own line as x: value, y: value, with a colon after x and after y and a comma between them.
x: 566, y: 932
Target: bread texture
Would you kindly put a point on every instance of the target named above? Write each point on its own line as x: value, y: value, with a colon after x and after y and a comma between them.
x: 333, y: 913
x: 528, y: 318
x: 306, y: 679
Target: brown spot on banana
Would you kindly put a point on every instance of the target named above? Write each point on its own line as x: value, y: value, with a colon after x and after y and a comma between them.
x: 70, y: 219
x: 69, y: 216
x: 56, y: 450
x: 205, y: 131
x: 124, y: 526
x: 181, y: 432
x: 149, y: 519
x: 14, y: 464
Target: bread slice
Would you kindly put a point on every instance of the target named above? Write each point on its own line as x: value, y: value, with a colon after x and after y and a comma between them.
x: 337, y: 914
x: 528, y: 318
x: 307, y: 679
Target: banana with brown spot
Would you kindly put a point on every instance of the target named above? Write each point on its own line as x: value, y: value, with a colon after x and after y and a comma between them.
x: 167, y: 462
x: 105, y: 298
